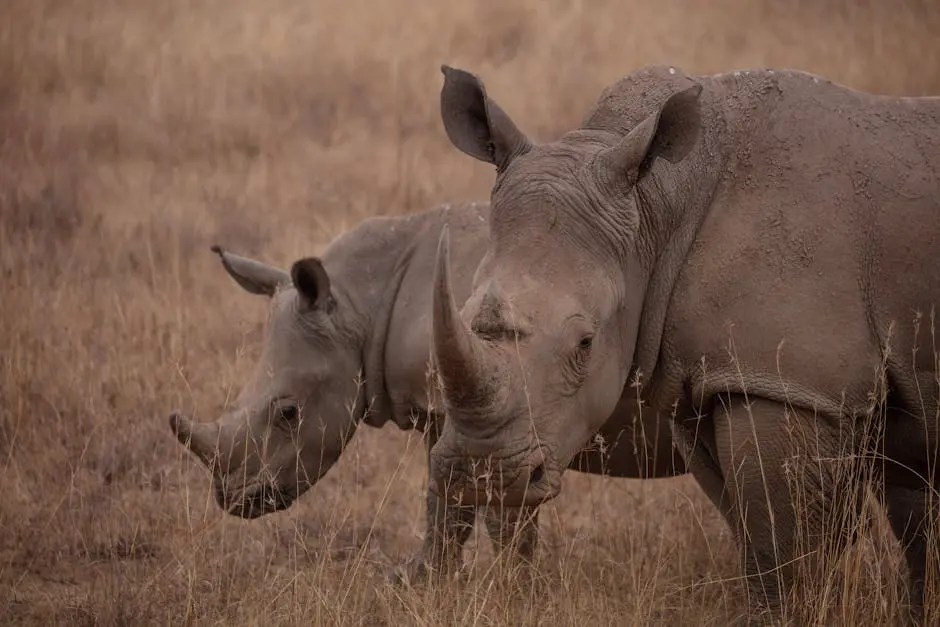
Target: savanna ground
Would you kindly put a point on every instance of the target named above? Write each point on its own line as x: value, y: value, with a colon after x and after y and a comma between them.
x: 136, y: 134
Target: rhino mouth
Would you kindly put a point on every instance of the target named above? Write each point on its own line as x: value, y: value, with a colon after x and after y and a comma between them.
x: 533, y: 481
x: 254, y: 500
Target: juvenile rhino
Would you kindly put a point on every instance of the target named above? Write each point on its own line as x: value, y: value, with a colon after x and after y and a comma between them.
x: 348, y: 341
x: 798, y: 215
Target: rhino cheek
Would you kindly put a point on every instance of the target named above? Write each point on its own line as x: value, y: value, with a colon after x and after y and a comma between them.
x: 573, y: 428
x: 320, y: 448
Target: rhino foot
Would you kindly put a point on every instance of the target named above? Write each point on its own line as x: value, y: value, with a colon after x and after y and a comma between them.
x: 417, y: 571
x: 409, y: 574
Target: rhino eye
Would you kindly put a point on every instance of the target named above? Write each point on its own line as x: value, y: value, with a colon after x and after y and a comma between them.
x: 586, y: 342
x: 288, y: 414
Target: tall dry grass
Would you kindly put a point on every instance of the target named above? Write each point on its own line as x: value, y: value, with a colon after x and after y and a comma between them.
x: 136, y: 134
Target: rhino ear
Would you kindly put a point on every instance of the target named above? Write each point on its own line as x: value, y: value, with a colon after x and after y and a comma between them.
x: 670, y: 133
x: 252, y: 275
x: 475, y: 124
x: 312, y: 283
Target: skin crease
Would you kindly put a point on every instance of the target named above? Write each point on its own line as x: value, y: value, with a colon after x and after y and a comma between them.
x: 348, y: 341
x: 750, y: 247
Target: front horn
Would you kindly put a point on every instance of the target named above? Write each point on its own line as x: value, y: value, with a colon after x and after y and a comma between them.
x: 459, y: 354
x: 199, y: 437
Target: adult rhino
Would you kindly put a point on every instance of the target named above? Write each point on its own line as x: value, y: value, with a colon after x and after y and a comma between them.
x: 756, y: 248
x: 348, y: 342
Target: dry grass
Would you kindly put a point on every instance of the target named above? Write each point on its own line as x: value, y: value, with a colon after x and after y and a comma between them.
x: 136, y: 134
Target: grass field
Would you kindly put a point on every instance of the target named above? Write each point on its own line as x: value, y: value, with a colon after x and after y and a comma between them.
x: 136, y: 134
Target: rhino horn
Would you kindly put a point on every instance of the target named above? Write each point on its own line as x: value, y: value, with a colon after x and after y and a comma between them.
x: 460, y: 356
x: 199, y: 437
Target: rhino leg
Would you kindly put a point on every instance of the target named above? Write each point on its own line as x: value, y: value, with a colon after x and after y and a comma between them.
x: 448, y: 528
x: 909, y: 513
x: 779, y: 523
x: 514, y: 532
x: 695, y: 440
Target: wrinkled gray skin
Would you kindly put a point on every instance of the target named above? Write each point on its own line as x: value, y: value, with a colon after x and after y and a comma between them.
x: 748, y: 244
x: 348, y: 341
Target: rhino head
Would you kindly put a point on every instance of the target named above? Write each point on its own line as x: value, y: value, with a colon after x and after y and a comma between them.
x: 292, y: 419
x: 536, y: 360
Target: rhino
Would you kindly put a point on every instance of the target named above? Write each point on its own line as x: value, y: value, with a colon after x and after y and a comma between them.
x: 347, y: 342
x: 754, y: 250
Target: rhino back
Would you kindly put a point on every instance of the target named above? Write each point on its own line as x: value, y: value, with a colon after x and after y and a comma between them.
x: 408, y: 346
x: 821, y: 237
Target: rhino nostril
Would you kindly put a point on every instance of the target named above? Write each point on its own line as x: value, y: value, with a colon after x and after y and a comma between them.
x: 537, y: 474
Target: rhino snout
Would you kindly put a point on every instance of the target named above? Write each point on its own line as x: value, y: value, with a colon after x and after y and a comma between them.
x: 524, y: 478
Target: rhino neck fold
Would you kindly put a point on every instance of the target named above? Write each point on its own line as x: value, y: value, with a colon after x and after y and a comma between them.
x: 673, y: 200
x: 371, y: 259
x: 377, y: 405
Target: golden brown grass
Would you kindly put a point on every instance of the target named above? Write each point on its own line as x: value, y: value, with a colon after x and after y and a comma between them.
x: 136, y: 134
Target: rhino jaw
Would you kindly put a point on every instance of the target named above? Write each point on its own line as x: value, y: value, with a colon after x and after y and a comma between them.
x: 200, y: 438
x: 460, y: 355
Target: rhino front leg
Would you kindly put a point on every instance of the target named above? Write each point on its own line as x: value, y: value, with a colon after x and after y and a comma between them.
x: 447, y: 529
x: 914, y: 516
x: 514, y: 532
x: 791, y: 490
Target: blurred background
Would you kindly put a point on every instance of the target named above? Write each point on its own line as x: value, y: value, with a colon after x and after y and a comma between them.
x: 136, y: 134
